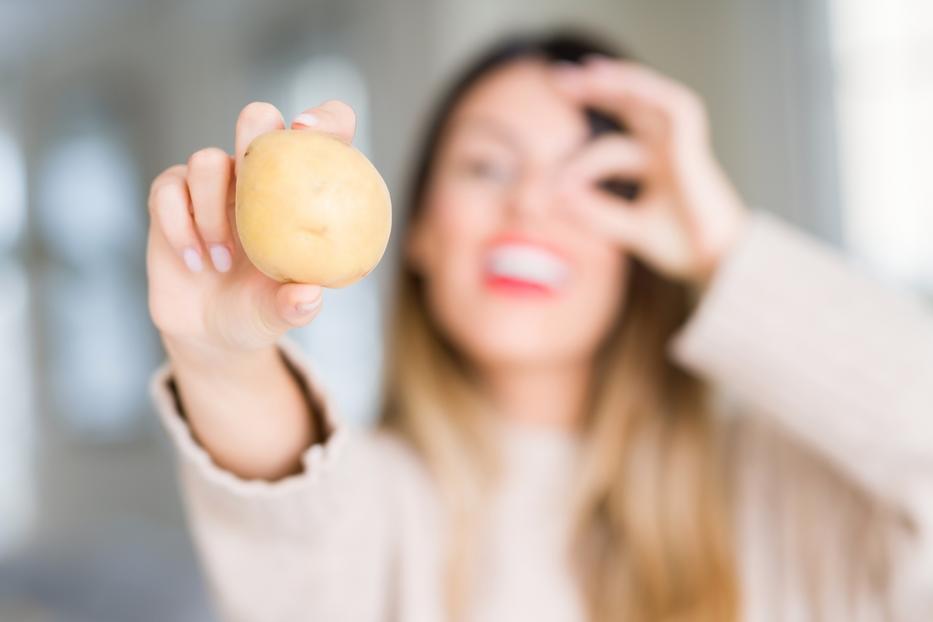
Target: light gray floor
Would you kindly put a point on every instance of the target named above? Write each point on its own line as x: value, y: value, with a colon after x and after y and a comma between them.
x: 132, y: 573
x: 111, y: 543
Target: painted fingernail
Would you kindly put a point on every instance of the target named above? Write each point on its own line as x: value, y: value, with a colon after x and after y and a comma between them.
x: 307, y: 306
x: 221, y: 258
x: 306, y: 119
x: 193, y: 259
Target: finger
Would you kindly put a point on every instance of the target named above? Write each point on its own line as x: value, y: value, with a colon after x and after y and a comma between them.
x: 641, y: 117
x: 605, y: 216
x: 294, y: 305
x: 681, y: 106
x: 255, y: 119
x: 333, y: 117
x: 209, y: 174
x: 613, y: 78
x: 612, y: 155
x: 650, y: 103
x: 169, y: 206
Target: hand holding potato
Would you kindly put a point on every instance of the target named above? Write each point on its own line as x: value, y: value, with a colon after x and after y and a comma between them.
x: 203, y: 289
x: 219, y: 316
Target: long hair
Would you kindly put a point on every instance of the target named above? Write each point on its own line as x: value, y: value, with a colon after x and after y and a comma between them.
x: 652, y: 521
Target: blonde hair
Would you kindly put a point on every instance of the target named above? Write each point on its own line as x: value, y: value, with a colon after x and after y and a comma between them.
x: 653, y: 536
x: 652, y: 510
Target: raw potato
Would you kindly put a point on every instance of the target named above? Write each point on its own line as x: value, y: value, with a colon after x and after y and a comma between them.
x: 311, y: 209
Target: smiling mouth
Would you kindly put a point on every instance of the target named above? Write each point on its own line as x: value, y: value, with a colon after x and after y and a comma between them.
x: 522, y: 268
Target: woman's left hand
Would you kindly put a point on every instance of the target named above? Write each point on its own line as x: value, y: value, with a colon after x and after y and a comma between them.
x: 687, y: 214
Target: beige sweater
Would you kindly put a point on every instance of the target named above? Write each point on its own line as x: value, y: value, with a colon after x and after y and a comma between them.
x: 827, y: 380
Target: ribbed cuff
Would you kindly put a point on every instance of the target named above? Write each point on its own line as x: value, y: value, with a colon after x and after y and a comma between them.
x: 316, y: 461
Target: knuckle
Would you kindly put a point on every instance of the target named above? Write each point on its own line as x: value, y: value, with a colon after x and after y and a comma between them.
x: 690, y: 102
x: 164, y: 194
x: 156, y: 192
x: 208, y: 159
x: 266, y: 323
x: 159, y: 314
x: 153, y: 191
x: 209, y: 225
x: 690, y: 112
x: 165, y: 177
x: 164, y: 199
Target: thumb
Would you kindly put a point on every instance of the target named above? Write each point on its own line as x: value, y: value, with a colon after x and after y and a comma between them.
x: 292, y: 306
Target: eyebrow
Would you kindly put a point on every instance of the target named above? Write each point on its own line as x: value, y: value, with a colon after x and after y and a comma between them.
x: 488, y: 126
x: 503, y: 135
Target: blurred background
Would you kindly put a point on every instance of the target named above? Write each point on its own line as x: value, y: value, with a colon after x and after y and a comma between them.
x: 821, y: 113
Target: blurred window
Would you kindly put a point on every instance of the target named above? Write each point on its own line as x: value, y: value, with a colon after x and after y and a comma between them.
x: 96, y: 324
x: 883, y: 52
x: 17, y: 498
x: 324, y: 77
x: 88, y: 184
x: 90, y: 226
x: 12, y: 192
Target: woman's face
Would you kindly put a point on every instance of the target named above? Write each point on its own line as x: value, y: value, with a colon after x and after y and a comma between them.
x: 509, y: 278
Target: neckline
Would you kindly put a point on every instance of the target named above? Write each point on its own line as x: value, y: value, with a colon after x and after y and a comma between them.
x: 520, y: 433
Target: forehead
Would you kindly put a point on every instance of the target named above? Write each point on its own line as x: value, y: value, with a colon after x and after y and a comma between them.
x: 520, y: 101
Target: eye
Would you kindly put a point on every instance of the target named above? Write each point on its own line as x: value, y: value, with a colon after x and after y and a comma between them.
x: 486, y: 169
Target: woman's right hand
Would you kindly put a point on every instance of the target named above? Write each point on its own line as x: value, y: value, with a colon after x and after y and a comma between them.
x: 204, y: 294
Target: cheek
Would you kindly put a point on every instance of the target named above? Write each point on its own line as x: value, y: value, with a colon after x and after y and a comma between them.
x: 457, y: 213
x: 455, y: 228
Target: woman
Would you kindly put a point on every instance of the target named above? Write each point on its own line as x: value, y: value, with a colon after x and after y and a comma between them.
x: 613, y: 392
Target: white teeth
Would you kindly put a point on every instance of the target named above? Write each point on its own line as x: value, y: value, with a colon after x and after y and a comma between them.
x: 527, y: 263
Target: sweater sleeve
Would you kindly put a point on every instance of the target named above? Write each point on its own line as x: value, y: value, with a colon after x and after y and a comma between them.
x: 842, y: 362
x: 310, y: 546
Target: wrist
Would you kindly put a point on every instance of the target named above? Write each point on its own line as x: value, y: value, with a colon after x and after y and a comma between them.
x: 207, y: 360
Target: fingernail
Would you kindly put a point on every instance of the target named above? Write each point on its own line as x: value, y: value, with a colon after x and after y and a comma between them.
x: 221, y: 258
x: 193, y: 259
x: 305, y: 118
x: 306, y: 307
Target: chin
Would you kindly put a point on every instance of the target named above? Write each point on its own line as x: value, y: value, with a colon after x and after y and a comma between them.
x: 519, y: 342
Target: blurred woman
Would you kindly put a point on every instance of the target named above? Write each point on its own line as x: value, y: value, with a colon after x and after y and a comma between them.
x: 612, y: 393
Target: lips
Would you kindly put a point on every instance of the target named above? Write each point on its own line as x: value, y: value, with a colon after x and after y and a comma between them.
x: 520, y: 266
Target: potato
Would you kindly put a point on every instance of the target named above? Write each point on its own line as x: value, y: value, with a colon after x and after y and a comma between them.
x: 311, y: 209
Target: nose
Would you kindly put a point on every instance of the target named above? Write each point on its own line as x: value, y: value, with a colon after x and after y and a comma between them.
x: 532, y: 197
